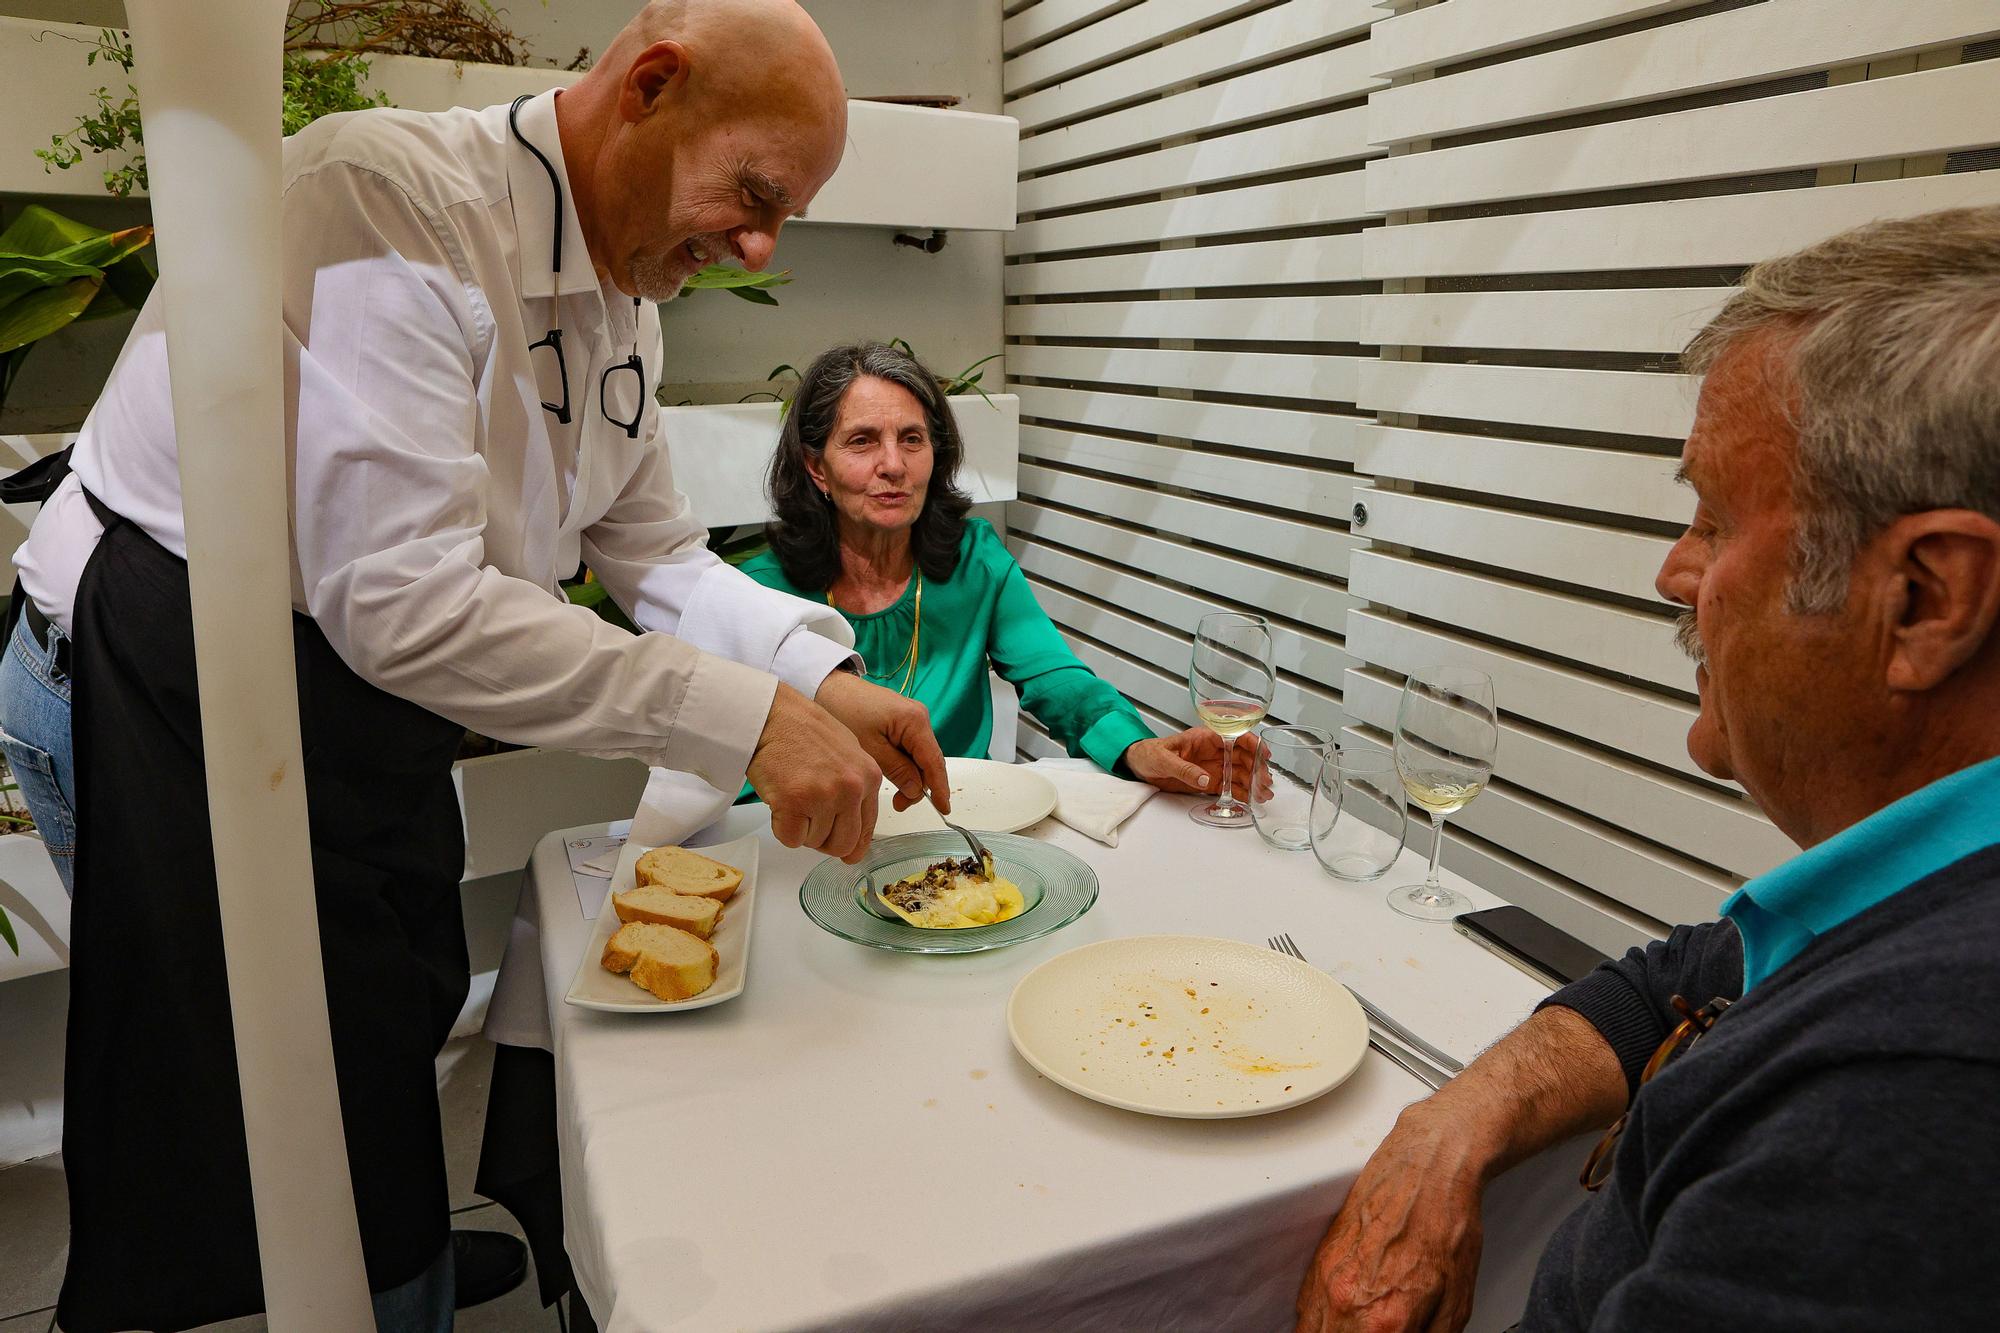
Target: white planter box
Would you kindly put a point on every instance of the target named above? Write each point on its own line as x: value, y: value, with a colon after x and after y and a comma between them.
x: 904, y: 166
x: 720, y: 454
x: 36, y: 906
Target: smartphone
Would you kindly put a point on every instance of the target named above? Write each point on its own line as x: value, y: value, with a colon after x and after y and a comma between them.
x: 1529, y: 943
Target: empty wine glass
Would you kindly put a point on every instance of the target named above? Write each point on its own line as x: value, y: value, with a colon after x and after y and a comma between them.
x: 1231, y: 680
x: 1447, y: 732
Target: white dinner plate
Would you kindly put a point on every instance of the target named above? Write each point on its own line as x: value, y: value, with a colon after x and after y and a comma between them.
x: 1179, y: 1025
x: 986, y: 796
x: 595, y: 988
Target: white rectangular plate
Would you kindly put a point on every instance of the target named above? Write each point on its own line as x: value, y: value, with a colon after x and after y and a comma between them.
x: 595, y: 988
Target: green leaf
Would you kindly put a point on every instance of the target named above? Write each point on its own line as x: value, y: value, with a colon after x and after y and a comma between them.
x: 725, y: 277
x: 22, y: 274
x: 41, y: 313
x: 127, y: 285
x: 793, y: 371
x: 754, y: 295
x: 586, y: 594
x: 43, y: 231
x: 7, y: 934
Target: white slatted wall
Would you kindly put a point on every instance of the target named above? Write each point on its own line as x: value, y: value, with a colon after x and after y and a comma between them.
x: 1280, y: 260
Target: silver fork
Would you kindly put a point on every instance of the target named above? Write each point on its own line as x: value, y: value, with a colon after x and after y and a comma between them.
x: 1418, y: 1057
x: 978, y: 847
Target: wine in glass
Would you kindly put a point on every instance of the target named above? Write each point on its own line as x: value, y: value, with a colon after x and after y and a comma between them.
x: 1232, y: 680
x: 1446, y: 734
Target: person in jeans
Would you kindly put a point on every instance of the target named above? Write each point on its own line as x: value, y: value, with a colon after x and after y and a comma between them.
x: 1804, y: 1090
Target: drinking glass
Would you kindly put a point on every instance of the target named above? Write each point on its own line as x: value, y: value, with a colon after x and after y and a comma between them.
x: 1282, y: 778
x: 1359, y: 820
x: 1447, y: 731
x: 1231, y: 680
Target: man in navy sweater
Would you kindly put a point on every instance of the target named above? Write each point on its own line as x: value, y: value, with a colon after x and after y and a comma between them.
x: 1820, y: 1153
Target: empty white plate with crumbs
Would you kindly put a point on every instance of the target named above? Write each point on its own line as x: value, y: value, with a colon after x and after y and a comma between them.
x: 1180, y: 1025
x: 595, y: 988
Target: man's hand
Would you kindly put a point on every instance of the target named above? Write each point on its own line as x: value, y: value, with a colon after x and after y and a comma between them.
x: 821, y: 786
x: 1403, y: 1251
x: 896, y: 733
x: 1191, y: 761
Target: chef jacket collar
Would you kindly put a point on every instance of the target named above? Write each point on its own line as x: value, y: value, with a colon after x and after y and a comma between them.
x: 534, y: 208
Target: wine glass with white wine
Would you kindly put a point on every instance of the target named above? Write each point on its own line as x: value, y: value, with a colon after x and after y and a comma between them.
x: 1232, y: 680
x: 1447, y: 731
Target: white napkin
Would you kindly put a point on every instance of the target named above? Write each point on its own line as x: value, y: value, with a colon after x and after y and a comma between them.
x: 674, y: 807
x: 1091, y: 801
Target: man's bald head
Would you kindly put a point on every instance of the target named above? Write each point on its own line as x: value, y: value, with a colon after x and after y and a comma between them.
x: 704, y: 126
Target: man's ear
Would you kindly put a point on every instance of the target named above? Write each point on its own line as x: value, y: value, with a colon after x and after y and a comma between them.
x: 659, y: 70
x: 1946, y: 566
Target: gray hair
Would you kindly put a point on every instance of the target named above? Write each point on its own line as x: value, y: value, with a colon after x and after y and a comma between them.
x: 1891, y: 379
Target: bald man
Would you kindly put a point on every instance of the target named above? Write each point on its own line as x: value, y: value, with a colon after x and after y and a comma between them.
x: 471, y: 417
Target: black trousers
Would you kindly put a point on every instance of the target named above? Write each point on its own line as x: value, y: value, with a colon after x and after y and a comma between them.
x: 162, y: 1229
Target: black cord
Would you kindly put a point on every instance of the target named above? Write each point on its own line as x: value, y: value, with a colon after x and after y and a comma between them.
x: 555, y: 184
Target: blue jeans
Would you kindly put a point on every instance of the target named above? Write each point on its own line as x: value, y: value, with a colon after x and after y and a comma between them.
x: 34, y: 734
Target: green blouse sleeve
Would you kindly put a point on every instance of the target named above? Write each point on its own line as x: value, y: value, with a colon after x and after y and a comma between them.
x: 1081, y: 711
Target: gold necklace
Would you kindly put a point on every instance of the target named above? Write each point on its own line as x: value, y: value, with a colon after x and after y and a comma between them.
x: 909, y: 658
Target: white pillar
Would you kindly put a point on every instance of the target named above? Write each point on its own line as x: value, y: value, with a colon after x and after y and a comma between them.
x: 209, y: 82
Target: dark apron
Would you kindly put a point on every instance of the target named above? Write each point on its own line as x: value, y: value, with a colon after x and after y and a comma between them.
x: 162, y: 1235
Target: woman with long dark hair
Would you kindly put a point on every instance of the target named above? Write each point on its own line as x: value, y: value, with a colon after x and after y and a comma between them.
x: 870, y: 519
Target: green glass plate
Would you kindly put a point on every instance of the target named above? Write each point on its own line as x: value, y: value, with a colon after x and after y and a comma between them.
x: 1056, y: 886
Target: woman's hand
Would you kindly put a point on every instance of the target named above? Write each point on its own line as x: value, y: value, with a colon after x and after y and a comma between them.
x: 1191, y: 761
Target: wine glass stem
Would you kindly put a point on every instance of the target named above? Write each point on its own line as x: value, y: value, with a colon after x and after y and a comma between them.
x: 1437, y: 850
x: 1226, y: 799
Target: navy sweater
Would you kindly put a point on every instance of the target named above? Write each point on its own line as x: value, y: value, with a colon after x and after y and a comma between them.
x: 1826, y: 1157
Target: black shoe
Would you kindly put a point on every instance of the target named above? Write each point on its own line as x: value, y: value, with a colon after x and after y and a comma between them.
x: 485, y: 1265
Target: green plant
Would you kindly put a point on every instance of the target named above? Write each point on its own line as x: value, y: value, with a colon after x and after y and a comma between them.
x: 965, y: 381
x: 55, y: 270
x: 315, y: 85
x: 114, y: 125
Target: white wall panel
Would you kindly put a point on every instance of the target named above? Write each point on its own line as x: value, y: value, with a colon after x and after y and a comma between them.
x: 1928, y: 112
x: 1287, y: 204
x: 1678, y: 233
x: 1339, y: 75
x: 1628, y: 402
x: 1427, y: 38
x: 1521, y: 495
x: 1225, y: 335
x: 1608, y: 480
x: 1767, y: 41
x: 1320, y: 436
x: 1291, y: 28
x: 1335, y: 136
x: 1248, y: 265
x: 1268, y: 374
x: 1654, y: 319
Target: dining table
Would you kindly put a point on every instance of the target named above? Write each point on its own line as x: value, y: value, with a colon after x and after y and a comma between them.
x: 855, y: 1143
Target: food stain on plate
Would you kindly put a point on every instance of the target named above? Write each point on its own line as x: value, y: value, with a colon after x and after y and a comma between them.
x: 1187, y: 1025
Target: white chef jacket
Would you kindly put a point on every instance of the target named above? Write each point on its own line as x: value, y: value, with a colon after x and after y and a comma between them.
x: 435, y: 502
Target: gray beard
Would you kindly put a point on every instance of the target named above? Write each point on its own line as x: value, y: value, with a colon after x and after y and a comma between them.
x: 656, y: 277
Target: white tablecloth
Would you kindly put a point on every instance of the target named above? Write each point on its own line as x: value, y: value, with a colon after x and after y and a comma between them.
x: 853, y: 1143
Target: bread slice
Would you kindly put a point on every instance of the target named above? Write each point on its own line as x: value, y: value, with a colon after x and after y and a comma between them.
x: 688, y: 872
x: 670, y: 963
x: 662, y: 906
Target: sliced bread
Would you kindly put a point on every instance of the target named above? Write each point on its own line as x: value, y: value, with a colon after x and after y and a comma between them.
x: 683, y: 871
x: 669, y: 962
x: 662, y: 906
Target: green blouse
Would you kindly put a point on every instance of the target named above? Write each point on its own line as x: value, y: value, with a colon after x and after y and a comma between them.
x: 984, y: 615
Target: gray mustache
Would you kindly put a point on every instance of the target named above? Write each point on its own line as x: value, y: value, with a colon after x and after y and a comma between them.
x: 1687, y: 638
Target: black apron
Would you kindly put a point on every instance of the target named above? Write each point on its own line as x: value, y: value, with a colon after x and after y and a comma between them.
x: 162, y: 1235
